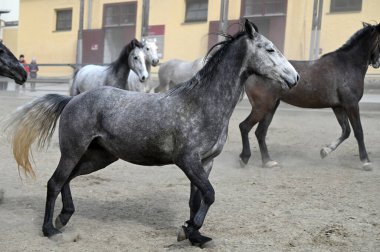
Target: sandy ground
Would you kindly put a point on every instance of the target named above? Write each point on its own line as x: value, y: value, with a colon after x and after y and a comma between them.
x: 307, y: 204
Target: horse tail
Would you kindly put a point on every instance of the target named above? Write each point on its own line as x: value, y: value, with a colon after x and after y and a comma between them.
x: 34, y: 121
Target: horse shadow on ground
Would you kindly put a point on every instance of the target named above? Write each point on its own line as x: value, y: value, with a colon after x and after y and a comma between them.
x: 154, y: 210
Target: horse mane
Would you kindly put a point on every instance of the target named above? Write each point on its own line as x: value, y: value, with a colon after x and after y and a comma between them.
x: 352, y: 41
x: 213, y: 56
x: 122, y: 60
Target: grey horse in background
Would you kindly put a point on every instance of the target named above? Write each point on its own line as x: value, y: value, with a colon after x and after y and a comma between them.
x: 186, y: 126
x: 92, y: 76
x: 10, y: 66
x: 151, y: 59
x: 176, y: 71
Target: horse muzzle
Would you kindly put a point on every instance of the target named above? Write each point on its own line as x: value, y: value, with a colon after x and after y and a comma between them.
x: 143, y: 78
x: 376, y: 65
x: 19, y: 75
x: 291, y: 82
x: 155, y: 62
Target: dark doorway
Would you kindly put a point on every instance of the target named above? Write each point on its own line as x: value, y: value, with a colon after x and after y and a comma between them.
x: 93, y: 46
x: 269, y: 16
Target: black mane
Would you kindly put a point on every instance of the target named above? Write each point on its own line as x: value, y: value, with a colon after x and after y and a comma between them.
x: 355, y: 38
x: 122, y: 60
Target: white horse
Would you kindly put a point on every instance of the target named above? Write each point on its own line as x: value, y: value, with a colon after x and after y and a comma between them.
x: 151, y: 59
x: 91, y: 76
x: 177, y: 71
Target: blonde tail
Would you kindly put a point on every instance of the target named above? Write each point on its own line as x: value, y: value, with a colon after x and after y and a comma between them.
x: 34, y: 121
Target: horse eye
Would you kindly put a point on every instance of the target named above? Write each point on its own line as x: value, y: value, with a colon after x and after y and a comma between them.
x: 135, y: 58
x: 147, y: 49
x: 270, y: 50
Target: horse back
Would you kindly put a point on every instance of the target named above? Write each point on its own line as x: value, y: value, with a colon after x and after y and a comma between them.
x: 89, y: 77
x: 133, y: 126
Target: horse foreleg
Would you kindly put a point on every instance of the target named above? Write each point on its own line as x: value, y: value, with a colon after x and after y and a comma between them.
x: 261, y: 133
x: 192, y: 166
x: 341, y: 116
x: 354, y: 117
x: 195, y: 201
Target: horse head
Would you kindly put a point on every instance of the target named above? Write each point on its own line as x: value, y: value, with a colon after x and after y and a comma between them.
x: 266, y: 60
x: 10, y: 66
x: 136, y: 59
x: 150, y: 50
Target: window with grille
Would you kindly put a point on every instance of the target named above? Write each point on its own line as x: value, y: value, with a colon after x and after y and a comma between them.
x: 64, y: 20
x: 345, y: 5
x: 196, y: 10
x: 264, y: 7
x: 119, y: 14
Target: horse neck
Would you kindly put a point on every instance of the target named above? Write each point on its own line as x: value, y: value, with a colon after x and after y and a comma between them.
x: 359, y: 54
x: 148, y: 66
x: 221, y: 81
x: 120, y: 75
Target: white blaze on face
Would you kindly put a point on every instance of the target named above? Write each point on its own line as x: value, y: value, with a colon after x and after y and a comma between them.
x: 136, y: 63
x: 150, y: 50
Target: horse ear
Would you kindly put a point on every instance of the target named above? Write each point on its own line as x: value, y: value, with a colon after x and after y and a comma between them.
x: 133, y: 43
x: 366, y: 24
x: 250, y: 28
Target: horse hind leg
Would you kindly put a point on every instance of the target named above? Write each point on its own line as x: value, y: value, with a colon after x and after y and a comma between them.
x: 54, y: 187
x: 261, y: 133
x: 68, y: 208
x: 354, y: 117
x: 245, y: 127
x: 93, y: 160
x: 342, y: 118
x: 72, y: 150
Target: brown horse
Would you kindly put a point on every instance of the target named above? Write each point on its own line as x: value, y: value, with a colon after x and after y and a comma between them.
x: 335, y: 80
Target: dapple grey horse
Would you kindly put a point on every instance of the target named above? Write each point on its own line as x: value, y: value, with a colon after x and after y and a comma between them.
x: 91, y: 76
x: 186, y: 126
x: 176, y: 71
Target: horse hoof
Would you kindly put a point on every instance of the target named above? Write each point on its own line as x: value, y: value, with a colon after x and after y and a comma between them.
x: 199, y: 240
x: 325, y: 151
x: 57, y: 237
x: 58, y: 223
x: 182, y: 234
x: 367, y: 166
x: 242, y: 163
x: 271, y: 164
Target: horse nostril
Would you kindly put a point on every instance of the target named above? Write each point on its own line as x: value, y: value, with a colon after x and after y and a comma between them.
x: 298, y: 77
x: 143, y: 78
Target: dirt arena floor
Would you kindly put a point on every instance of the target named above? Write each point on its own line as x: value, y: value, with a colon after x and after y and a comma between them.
x: 307, y: 204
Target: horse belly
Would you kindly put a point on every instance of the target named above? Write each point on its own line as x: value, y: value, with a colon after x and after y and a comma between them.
x: 140, y: 150
x: 308, y: 96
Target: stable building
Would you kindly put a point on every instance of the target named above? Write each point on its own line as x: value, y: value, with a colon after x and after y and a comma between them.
x: 183, y: 29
